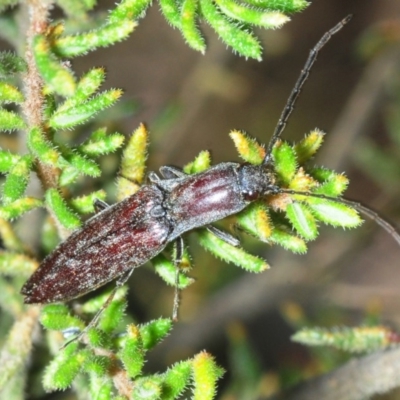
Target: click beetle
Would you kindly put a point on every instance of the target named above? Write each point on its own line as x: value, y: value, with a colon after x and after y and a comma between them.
x: 124, y: 236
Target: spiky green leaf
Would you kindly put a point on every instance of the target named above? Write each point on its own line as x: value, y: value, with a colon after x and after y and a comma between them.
x: 176, y: 379
x: 83, y: 112
x: 283, y: 236
x: 189, y: 28
x: 251, y: 15
x: 302, y: 220
x: 167, y: 271
x: 61, y: 210
x: 58, y: 317
x: 229, y: 253
x: 57, y: 75
x: 42, y: 148
x: 85, y: 204
x: 132, y: 352
x: 98, y: 145
x: 15, y: 264
x: 106, y: 35
x: 63, y: 369
x: 11, y: 64
x: 285, y: 162
x: 205, y: 374
x: 10, y: 94
x: 249, y: 149
x: 82, y: 163
x: 356, y: 340
x: 333, y: 213
x: 154, y: 332
x: 255, y: 220
x: 148, y: 387
x: 87, y: 86
x: 19, y: 207
x: 285, y: 6
x: 10, y: 121
x: 7, y: 160
x: 308, y: 146
x: 200, y: 163
x: 17, y: 180
x: 171, y: 11
x: 129, y: 9
x: 240, y: 39
x: 133, y: 164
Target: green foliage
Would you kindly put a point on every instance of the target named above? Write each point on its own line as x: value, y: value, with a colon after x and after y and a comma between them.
x: 230, y: 19
x: 127, y: 353
x: 231, y: 254
x: 302, y: 220
x: 189, y: 28
x: 119, y: 26
x: 10, y: 121
x: 248, y: 148
x: 294, y: 219
x: 307, y: 148
x: 58, y: 206
x: 241, y: 40
x: 167, y: 271
x: 42, y: 148
x: 205, y: 375
x: 132, y: 352
x: 10, y: 94
x: 88, y: 85
x: 200, y: 163
x: 100, y: 143
x: 285, y: 161
x: 17, y: 180
x: 11, y: 64
x: 7, y: 160
x: 58, y: 317
x: 133, y: 164
x: 364, y: 339
x: 82, y: 112
x: 58, y: 77
x: 85, y: 204
x: 64, y: 368
x: 19, y: 207
x: 176, y: 379
x: 16, y: 264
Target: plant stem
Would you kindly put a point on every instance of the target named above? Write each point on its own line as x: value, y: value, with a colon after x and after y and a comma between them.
x: 33, y: 83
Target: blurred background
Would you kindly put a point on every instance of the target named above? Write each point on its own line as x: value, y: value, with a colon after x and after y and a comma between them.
x: 191, y: 102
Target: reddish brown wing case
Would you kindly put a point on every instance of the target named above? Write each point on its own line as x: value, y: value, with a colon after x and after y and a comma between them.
x: 121, y: 237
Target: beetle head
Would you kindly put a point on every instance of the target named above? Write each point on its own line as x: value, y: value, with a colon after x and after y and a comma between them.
x: 256, y: 181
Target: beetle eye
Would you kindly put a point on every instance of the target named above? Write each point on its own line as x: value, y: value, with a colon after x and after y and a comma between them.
x: 251, y: 195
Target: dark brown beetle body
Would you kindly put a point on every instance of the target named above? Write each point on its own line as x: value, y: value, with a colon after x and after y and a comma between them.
x: 225, y: 189
x: 128, y: 234
x: 124, y: 236
x: 114, y: 241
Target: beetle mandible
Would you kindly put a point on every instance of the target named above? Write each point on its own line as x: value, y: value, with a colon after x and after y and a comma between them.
x: 124, y: 236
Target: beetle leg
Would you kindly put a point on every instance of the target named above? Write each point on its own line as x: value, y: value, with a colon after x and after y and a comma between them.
x: 170, y: 172
x: 153, y: 177
x: 225, y: 236
x: 120, y: 282
x: 100, y: 205
x: 177, y: 262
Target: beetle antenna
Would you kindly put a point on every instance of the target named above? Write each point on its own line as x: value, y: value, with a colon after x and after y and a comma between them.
x: 312, y: 57
x: 371, y: 214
